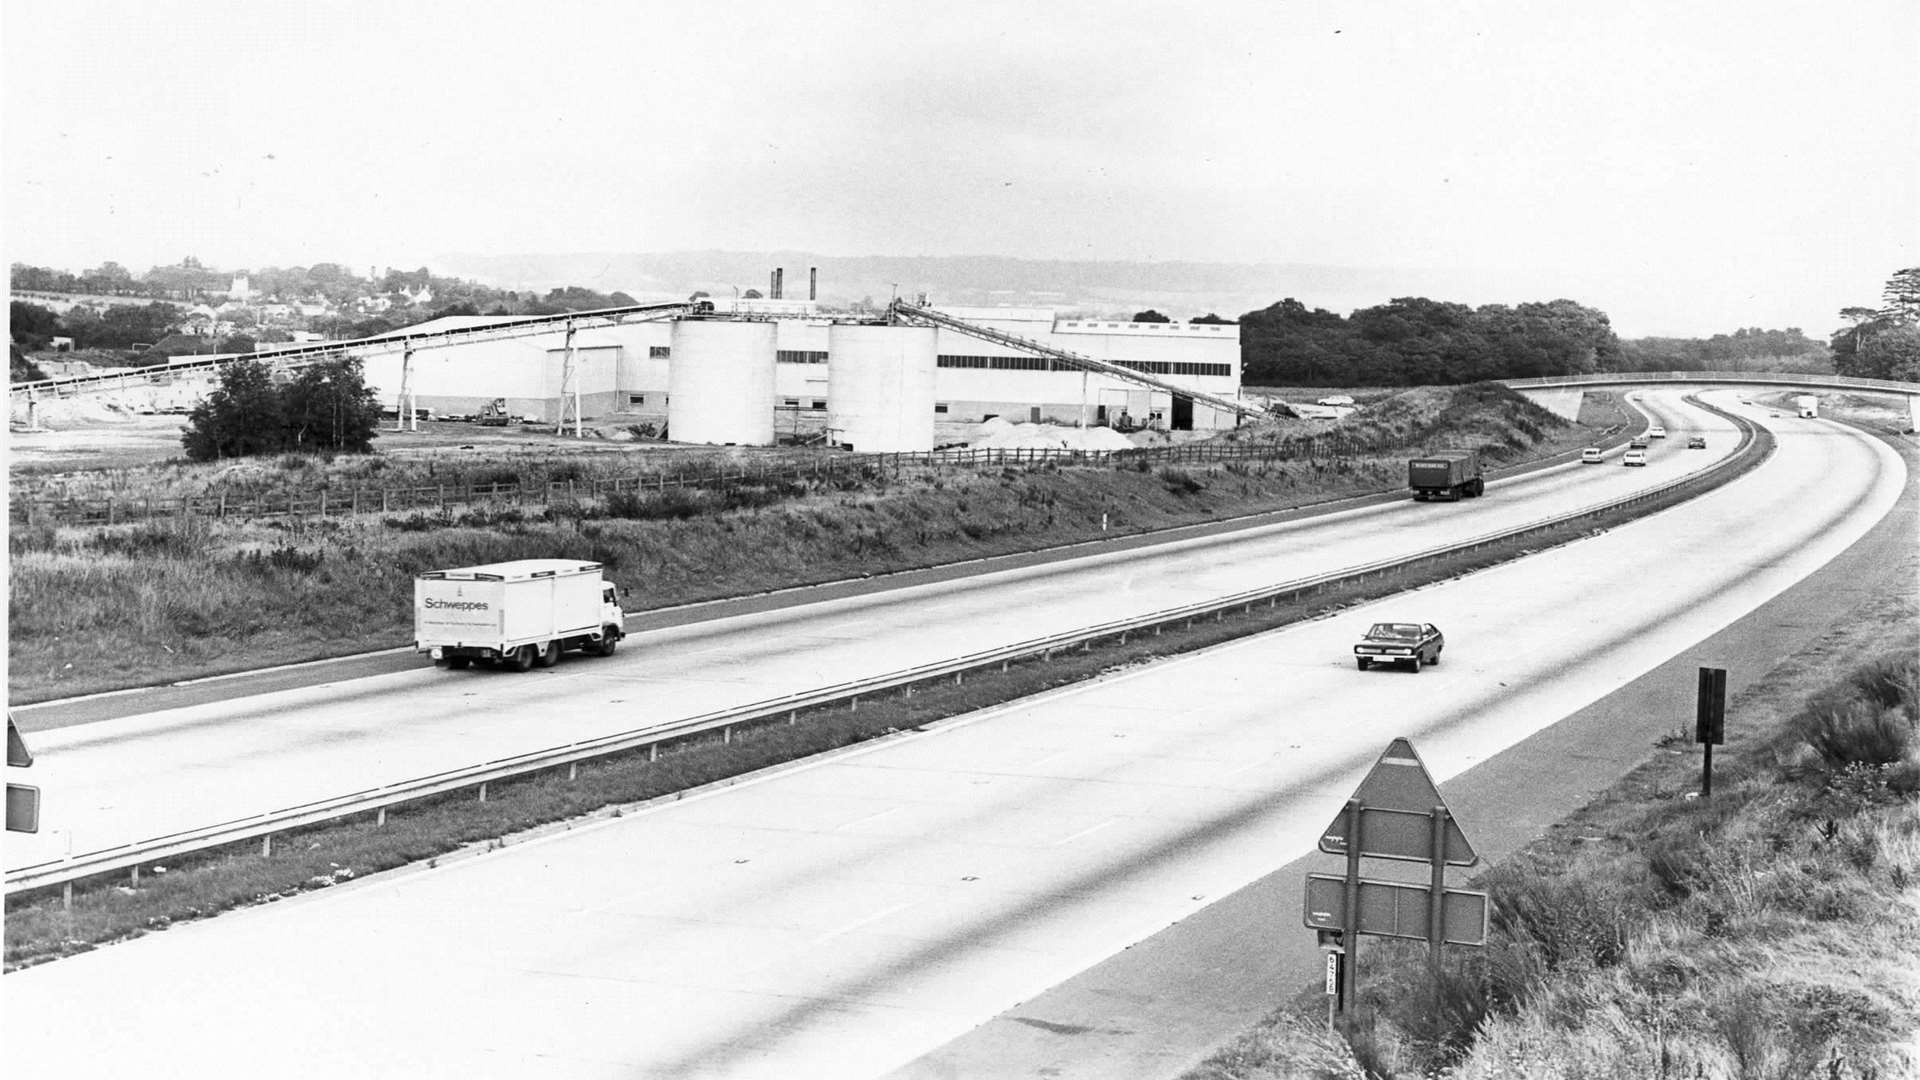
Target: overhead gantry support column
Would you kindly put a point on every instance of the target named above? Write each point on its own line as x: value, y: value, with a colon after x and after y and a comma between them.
x: 404, y: 407
x: 570, y: 389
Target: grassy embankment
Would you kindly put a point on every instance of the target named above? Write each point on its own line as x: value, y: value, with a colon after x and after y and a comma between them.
x: 102, y: 608
x: 1770, y: 931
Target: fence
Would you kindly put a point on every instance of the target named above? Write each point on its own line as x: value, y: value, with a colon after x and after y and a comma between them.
x: 325, y: 502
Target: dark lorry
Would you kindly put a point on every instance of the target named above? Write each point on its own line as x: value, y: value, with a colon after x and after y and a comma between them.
x: 1447, y: 474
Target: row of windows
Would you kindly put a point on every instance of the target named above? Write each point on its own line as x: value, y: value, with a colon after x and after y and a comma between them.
x: 659, y: 352
x: 1002, y: 363
x: 1176, y: 367
x: 799, y: 356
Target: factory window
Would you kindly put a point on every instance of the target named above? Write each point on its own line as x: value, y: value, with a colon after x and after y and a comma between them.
x: 636, y: 399
x: 659, y: 352
x: 819, y: 403
x: 1163, y: 367
x: 791, y: 403
x: 939, y: 406
x: 800, y: 356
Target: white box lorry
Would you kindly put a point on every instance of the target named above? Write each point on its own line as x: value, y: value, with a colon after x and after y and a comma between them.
x: 515, y: 614
x: 1808, y: 406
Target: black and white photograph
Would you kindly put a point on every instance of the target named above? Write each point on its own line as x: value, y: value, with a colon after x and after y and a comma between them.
x: 1297, y: 540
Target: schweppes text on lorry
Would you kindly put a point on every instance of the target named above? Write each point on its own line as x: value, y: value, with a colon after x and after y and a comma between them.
x: 457, y: 605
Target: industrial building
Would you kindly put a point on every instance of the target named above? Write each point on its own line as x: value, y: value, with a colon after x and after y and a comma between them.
x: 752, y: 370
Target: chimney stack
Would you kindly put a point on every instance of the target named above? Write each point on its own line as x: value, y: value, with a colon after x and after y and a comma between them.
x: 813, y: 283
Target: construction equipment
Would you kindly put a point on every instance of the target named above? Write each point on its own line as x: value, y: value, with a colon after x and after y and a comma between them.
x: 494, y: 414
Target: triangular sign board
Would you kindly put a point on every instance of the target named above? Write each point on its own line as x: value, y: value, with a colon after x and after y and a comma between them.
x: 1396, y: 800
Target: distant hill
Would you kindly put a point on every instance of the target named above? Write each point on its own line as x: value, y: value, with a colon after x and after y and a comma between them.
x: 1181, y: 290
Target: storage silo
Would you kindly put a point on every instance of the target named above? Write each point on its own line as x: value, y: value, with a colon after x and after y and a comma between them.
x: 880, y: 387
x: 720, y: 383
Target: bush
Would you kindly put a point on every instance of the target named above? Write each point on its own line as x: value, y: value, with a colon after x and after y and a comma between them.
x: 1870, y: 719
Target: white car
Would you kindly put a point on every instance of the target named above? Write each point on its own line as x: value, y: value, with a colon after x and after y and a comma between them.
x: 1656, y: 432
x: 1590, y: 456
x: 1634, y: 457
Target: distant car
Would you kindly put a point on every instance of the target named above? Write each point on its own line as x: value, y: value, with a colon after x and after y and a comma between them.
x: 1696, y: 443
x: 1590, y: 456
x: 1413, y: 644
x: 1639, y: 443
x: 1634, y: 457
x: 1773, y: 414
x: 1656, y: 432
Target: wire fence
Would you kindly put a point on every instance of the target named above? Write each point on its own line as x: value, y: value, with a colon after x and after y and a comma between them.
x: 826, y: 469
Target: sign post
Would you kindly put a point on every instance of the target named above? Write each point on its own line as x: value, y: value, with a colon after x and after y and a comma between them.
x: 1395, y: 813
x: 1710, y: 722
x: 23, y: 800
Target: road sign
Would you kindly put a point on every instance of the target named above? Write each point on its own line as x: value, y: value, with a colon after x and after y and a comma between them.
x: 18, y: 756
x: 1397, y: 909
x: 1710, y: 713
x: 23, y: 808
x: 1396, y: 805
x: 1333, y: 973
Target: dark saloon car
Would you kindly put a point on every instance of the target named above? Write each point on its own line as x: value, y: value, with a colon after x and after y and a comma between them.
x: 1413, y: 644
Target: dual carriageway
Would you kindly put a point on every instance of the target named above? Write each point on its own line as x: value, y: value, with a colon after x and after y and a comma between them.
x: 864, y: 912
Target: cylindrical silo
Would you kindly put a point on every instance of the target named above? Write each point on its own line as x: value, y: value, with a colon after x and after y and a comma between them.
x: 720, y: 383
x: 880, y: 387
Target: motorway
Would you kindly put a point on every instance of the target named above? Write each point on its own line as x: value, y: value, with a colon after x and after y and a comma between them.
x: 847, y: 915
x: 157, y: 773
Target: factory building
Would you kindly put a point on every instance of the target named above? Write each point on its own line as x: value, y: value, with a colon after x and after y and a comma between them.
x: 711, y: 378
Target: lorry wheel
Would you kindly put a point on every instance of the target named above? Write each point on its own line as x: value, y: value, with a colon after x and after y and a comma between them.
x: 522, y: 659
x: 606, y: 645
x: 550, y: 655
x: 458, y: 663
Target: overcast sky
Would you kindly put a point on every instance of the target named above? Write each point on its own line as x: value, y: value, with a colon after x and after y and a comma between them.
x: 1688, y: 167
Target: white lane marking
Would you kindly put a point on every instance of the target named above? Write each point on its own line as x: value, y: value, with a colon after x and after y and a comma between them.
x: 870, y: 817
x: 858, y: 923
x: 1083, y: 832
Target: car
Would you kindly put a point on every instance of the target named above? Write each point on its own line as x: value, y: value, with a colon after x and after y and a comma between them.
x: 1656, y: 432
x: 1590, y: 456
x: 1413, y: 644
x: 1696, y: 443
x: 1639, y: 443
x: 1634, y: 457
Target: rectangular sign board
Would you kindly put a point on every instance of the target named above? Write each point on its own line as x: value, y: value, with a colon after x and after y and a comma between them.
x: 23, y: 808
x: 1398, y: 834
x: 1397, y: 909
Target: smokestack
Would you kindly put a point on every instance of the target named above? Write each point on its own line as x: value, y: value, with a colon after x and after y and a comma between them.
x: 779, y: 282
x: 813, y: 283
x: 773, y: 284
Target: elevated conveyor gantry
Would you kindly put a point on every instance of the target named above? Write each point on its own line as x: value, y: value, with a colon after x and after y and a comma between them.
x: 901, y: 310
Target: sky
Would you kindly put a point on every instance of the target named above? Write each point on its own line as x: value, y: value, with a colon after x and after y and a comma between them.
x: 1689, y: 168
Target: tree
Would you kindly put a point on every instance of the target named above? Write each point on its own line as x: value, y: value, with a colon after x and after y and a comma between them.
x: 241, y: 417
x: 31, y: 326
x: 329, y: 406
x: 1150, y: 315
x: 1210, y: 319
x: 750, y: 294
x: 1902, y: 294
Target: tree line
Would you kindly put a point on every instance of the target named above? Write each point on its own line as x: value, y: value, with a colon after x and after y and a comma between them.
x: 1883, y: 342
x: 324, y: 407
